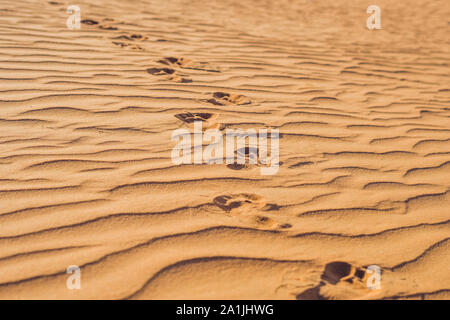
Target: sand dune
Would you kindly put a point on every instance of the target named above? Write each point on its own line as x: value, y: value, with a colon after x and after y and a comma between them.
x: 87, y: 178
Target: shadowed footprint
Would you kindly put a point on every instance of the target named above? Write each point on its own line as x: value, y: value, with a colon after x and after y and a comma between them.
x: 207, y: 119
x: 170, y: 74
x: 251, y: 157
x: 182, y: 63
x: 89, y: 22
x: 189, y: 117
x: 339, y: 280
x: 132, y: 37
x: 249, y: 154
x: 237, y: 166
x: 187, y: 64
x: 222, y: 98
x: 248, y: 207
x: 126, y: 41
x: 160, y: 71
x: 128, y: 45
x: 120, y: 44
x: 108, y: 27
x: 239, y: 201
x: 173, y: 61
x: 335, y: 271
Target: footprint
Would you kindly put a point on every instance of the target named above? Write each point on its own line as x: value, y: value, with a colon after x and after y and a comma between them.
x: 124, y: 40
x: 339, y: 280
x: 89, y: 22
x: 108, y: 27
x: 189, y: 117
x: 128, y: 45
x: 248, y: 207
x: 120, y: 44
x: 222, y: 98
x: 341, y: 271
x: 238, y: 166
x: 160, y: 71
x: 207, y: 119
x: 235, y: 202
x: 181, y: 62
x: 249, y: 154
x: 132, y: 37
x: 188, y: 64
x: 175, y: 62
x: 170, y: 74
x: 128, y: 41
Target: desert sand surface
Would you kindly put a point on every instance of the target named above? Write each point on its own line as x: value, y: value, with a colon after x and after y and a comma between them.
x: 87, y: 178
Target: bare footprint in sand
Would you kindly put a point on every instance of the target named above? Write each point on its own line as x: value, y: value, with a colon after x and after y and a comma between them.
x: 92, y: 22
x: 172, y: 61
x: 207, y: 119
x: 128, y: 45
x: 249, y: 208
x: 120, y: 44
x: 251, y: 158
x: 131, y: 37
x: 222, y: 99
x: 169, y: 74
x: 160, y: 71
x: 239, y: 201
x: 123, y: 41
x: 248, y: 154
x: 339, y: 280
x: 129, y: 41
x: 181, y: 63
x: 108, y: 27
x: 188, y: 64
x: 89, y: 22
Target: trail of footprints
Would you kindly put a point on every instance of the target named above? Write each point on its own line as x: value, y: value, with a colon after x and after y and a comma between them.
x: 336, y: 279
x: 131, y: 40
x: 124, y: 40
x: 246, y: 207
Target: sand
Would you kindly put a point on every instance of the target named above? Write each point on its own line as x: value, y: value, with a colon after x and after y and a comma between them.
x: 87, y: 179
